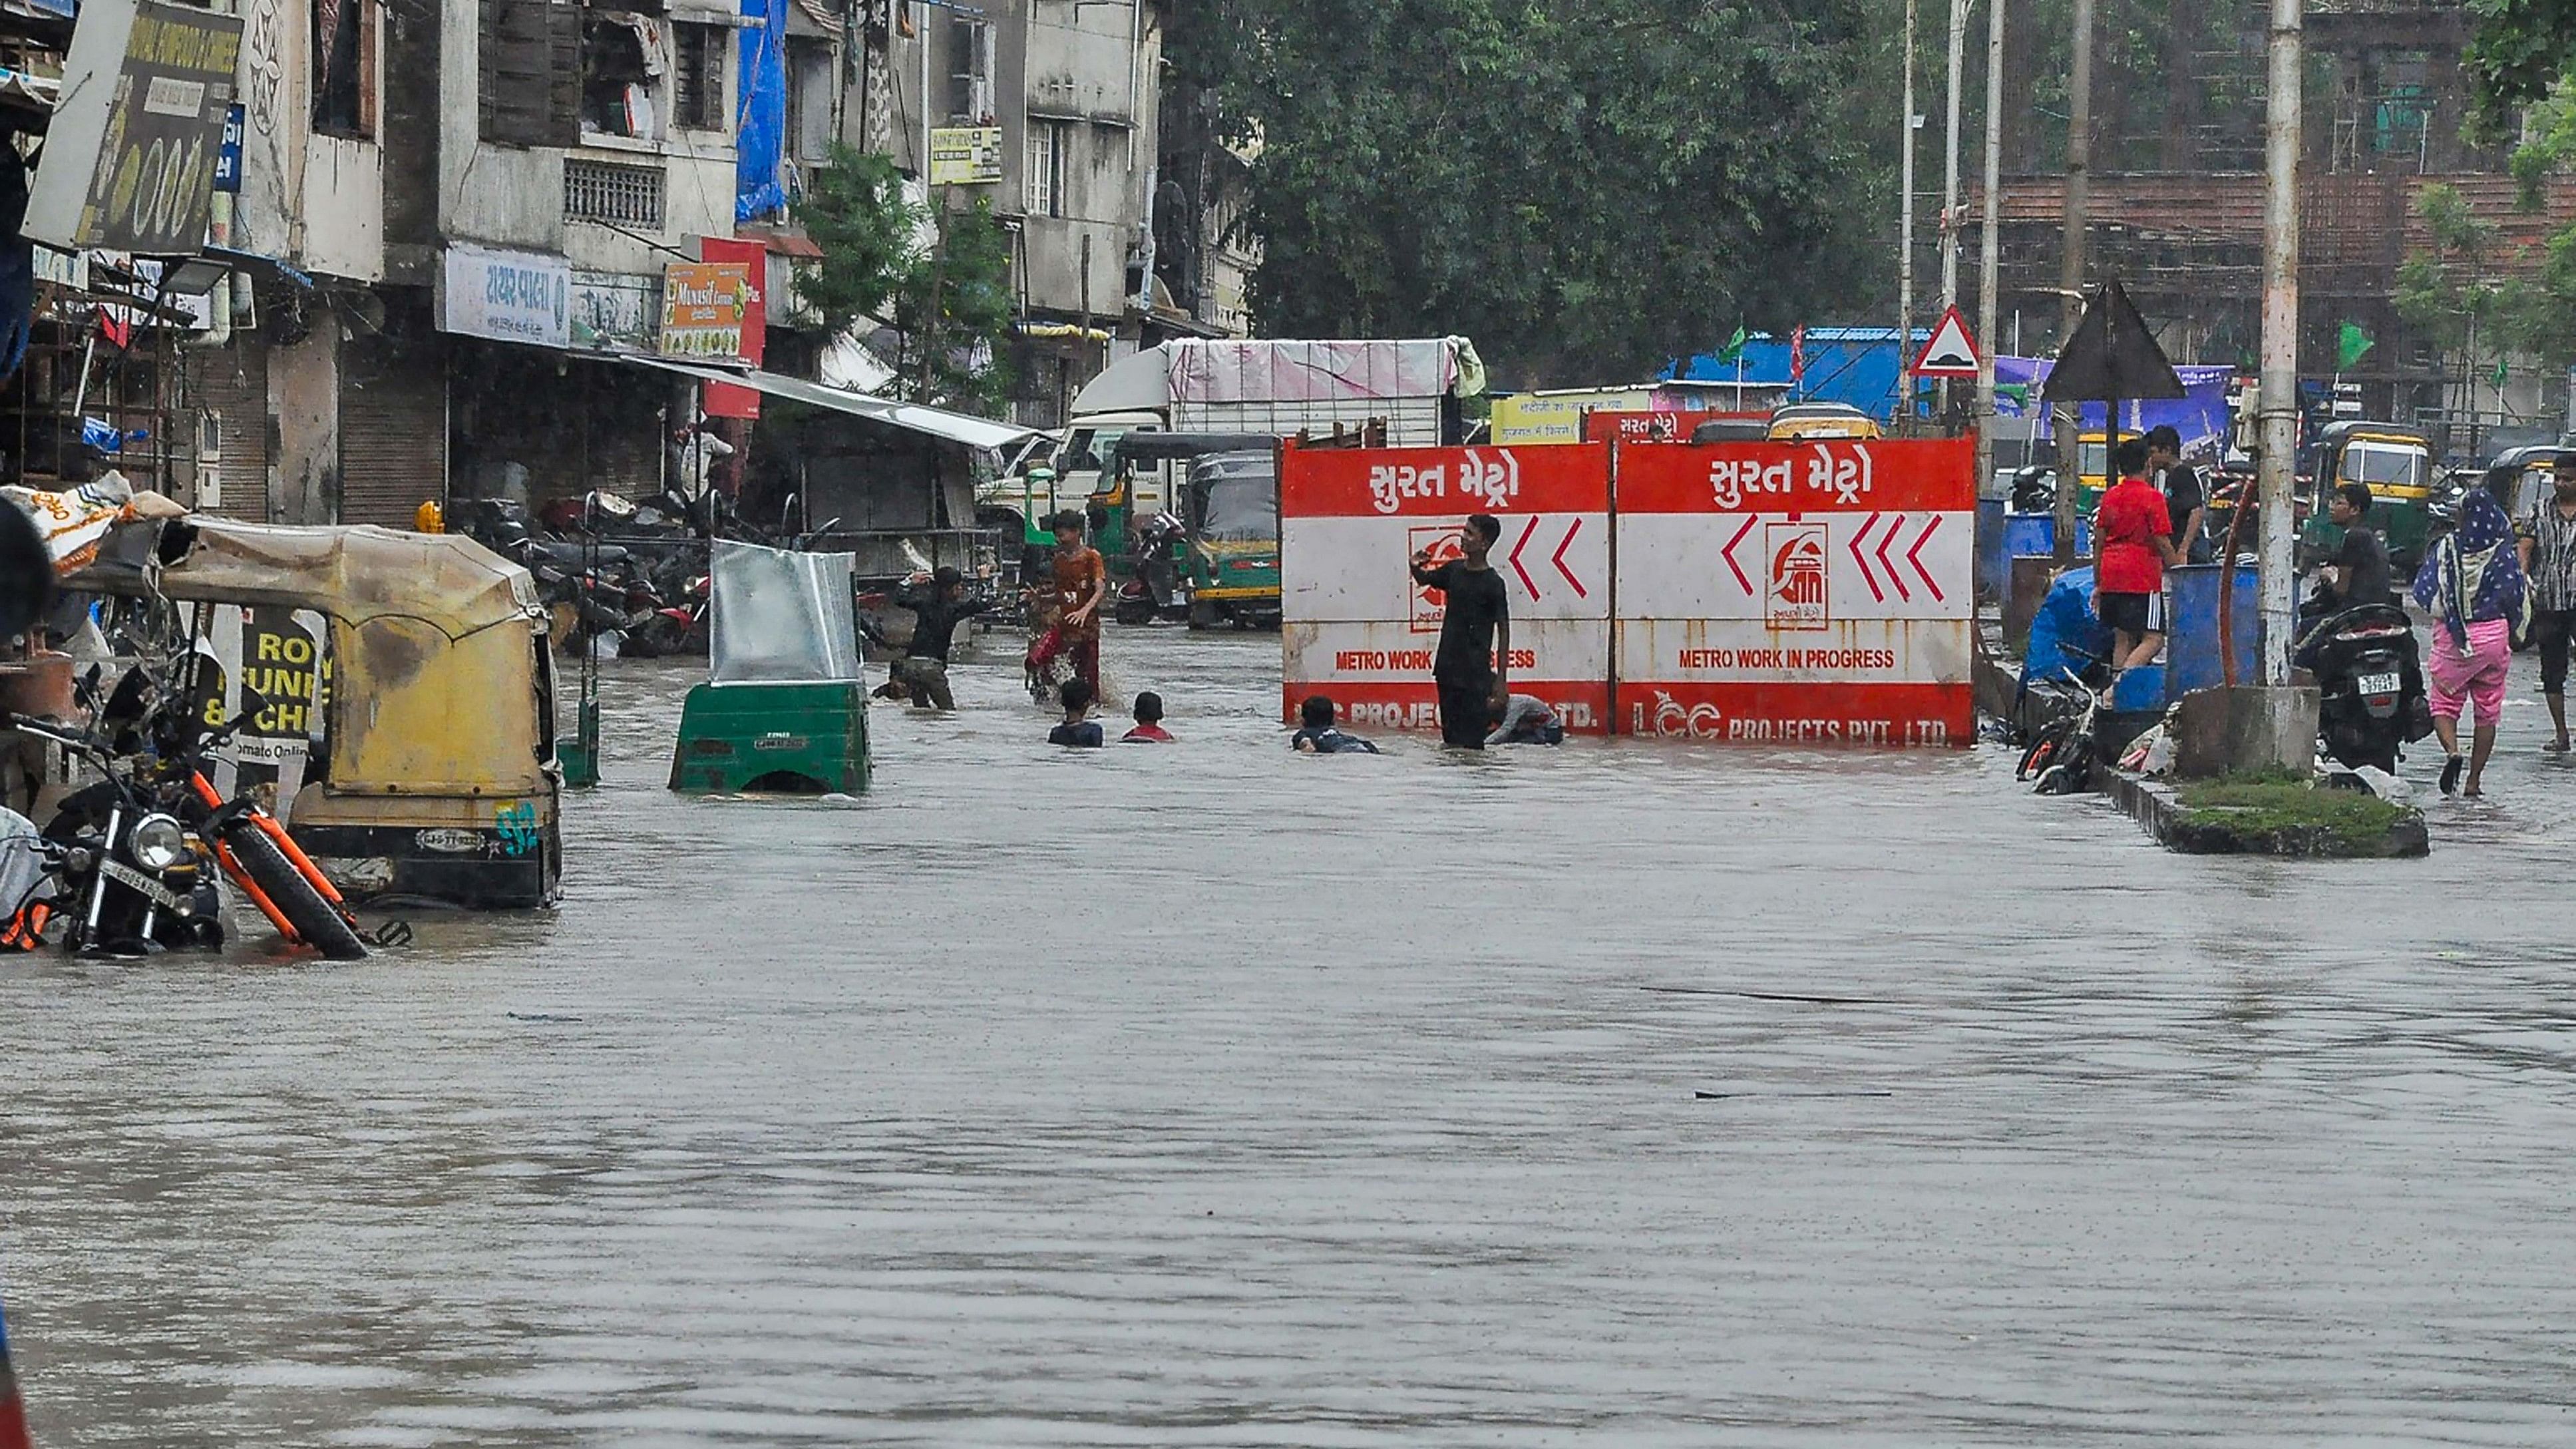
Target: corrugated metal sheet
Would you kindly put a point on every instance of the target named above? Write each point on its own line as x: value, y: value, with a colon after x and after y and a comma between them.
x: 231, y: 384
x: 393, y: 431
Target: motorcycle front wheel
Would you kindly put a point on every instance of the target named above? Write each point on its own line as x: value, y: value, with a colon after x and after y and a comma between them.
x: 316, y: 921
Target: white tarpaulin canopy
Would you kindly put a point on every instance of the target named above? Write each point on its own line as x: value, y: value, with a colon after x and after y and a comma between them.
x: 1225, y: 371
x: 973, y: 432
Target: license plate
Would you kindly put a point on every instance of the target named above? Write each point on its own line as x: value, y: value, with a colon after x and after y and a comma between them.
x: 144, y: 885
x: 2377, y: 683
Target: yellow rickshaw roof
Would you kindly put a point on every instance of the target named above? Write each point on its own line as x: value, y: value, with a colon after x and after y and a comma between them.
x: 354, y: 574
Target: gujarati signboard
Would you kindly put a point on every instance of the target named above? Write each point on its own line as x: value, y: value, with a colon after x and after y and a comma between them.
x: 702, y: 309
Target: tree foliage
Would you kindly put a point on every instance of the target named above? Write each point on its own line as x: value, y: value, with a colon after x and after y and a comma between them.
x: 854, y: 209
x: 941, y: 277
x: 2518, y: 50
x: 954, y: 315
x: 1586, y: 187
x: 2458, y: 288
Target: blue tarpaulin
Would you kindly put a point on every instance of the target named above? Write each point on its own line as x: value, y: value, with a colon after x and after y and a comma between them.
x: 1855, y: 365
x: 760, y: 125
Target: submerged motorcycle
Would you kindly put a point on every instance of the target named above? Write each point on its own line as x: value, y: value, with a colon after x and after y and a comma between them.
x: 128, y: 876
x: 135, y: 858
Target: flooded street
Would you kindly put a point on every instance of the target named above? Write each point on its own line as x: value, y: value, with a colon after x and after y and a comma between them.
x: 1213, y: 1095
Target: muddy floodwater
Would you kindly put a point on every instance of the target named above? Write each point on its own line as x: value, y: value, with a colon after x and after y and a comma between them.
x: 1207, y: 1095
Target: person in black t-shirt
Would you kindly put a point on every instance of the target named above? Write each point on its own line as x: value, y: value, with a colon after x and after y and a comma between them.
x: 2186, y: 502
x: 1473, y: 665
x: 936, y: 613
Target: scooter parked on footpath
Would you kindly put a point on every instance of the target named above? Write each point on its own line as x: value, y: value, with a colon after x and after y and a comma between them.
x: 2370, y: 685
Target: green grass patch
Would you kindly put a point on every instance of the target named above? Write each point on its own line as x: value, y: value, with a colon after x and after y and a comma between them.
x: 2277, y: 806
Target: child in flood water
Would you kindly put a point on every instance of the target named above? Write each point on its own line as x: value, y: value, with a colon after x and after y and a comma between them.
x: 1079, y: 730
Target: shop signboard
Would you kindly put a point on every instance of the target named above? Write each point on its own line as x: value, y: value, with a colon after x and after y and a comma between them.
x: 615, y: 311
x: 1357, y: 627
x: 1608, y: 425
x: 1797, y: 593
x: 130, y: 157
x: 724, y: 399
x: 965, y: 155
x: 506, y: 296
x: 702, y: 309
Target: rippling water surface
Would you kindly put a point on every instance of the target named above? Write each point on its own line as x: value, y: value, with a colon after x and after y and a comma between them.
x: 1210, y: 1095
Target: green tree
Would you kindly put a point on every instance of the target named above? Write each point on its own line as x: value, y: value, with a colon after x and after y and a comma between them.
x: 954, y: 315
x: 2518, y: 51
x: 854, y: 209
x: 2467, y: 292
x: 1589, y: 188
x: 941, y: 277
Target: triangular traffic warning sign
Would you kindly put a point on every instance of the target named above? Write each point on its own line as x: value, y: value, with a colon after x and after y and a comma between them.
x: 2111, y: 355
x: 1951, y: 352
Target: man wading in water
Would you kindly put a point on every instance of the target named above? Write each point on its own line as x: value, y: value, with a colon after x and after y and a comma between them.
x: 1473, y: 665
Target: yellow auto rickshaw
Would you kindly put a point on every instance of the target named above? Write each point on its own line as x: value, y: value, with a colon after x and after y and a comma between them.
x: 1818, y: 422
x: 434, y: 776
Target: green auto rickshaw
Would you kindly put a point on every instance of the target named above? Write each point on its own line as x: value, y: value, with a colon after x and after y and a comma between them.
x: 1230, y: 505
x: 2395, y: 463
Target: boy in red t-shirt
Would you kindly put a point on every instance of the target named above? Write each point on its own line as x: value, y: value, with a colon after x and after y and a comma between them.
x: 2132, y: 544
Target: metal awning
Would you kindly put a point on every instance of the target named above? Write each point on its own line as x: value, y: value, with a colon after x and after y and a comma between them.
x: 973, y: 432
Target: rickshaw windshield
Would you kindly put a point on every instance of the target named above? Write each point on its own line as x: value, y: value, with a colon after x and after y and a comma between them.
x: 2382, y: 465
x: 2093, y: 459
x: 1237, y: 505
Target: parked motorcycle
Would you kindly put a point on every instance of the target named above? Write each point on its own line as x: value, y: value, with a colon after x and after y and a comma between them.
x: 138, y: 851
x: 128, y: 877
x: 1154, y: 590
x: 2370, y: 686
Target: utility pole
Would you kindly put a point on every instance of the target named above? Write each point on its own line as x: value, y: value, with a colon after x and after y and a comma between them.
x: 1905, y: 242
x: 1989, y: 246
x: 2068, y: 417
x: 1950, y: 166
x: 1950, y: 180
x: 2280, y: 386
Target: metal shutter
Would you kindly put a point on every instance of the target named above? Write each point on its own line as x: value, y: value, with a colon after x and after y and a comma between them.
x: 231, y: 382
x: 393, y: 431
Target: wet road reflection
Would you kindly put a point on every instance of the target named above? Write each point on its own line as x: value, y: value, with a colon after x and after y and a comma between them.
x: 1213, y: 1095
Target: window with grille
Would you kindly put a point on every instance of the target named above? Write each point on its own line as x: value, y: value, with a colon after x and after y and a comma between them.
x: 697, y: 78
x: 1042, y: 180
x: 970, y: 72
x: 605, y: 191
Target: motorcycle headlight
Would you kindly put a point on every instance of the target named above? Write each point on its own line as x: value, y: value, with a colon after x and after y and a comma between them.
x: 157, y: 842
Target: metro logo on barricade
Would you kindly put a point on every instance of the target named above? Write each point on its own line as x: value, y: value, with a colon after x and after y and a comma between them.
x: 1431, y: 605
x: 1795, y: 598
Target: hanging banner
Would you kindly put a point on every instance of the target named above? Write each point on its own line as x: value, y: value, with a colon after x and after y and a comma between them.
x: 1797, y: 593
x: 129, y: 159
x: 1356, y: 627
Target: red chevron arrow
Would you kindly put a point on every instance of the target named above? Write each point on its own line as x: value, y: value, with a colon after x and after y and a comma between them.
x: 1910, y: 557
x: 1558, y: 558
x: 1517, y: 546
x: 1728, y: 553
x: 1857, y: 539
x: 1881, y: 553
